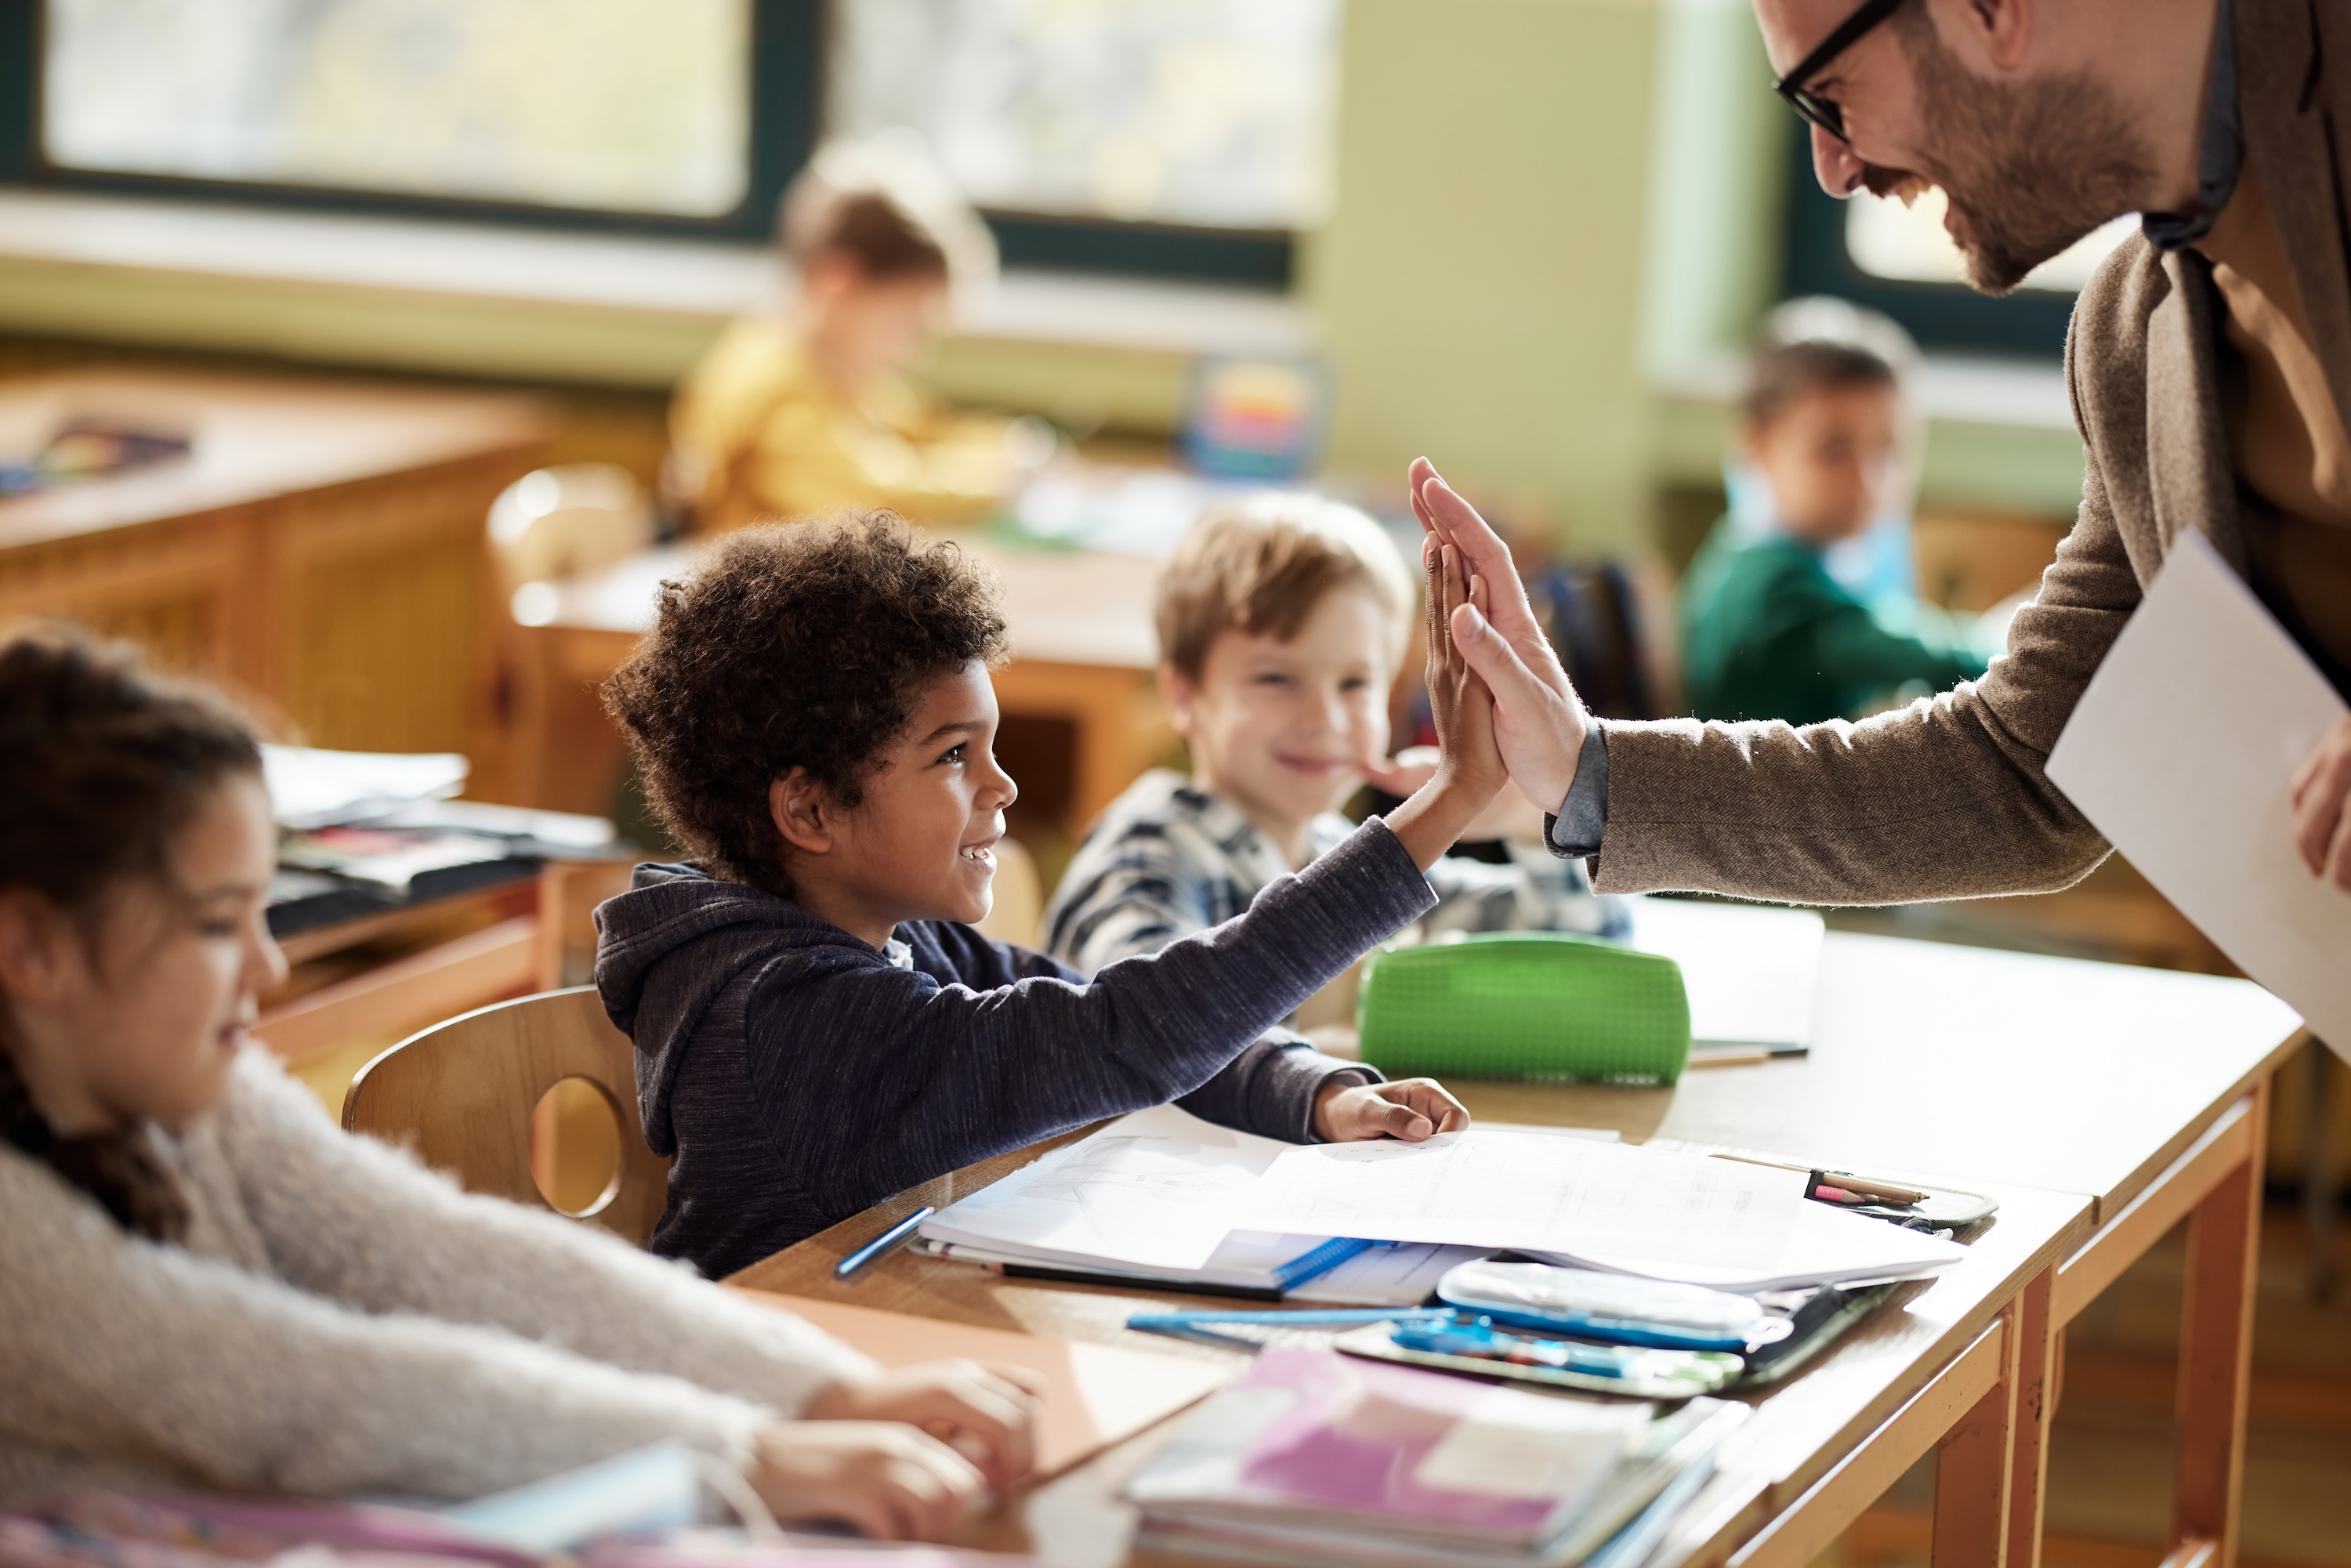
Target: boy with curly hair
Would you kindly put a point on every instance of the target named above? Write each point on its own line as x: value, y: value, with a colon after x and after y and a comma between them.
x: 818, y: 1026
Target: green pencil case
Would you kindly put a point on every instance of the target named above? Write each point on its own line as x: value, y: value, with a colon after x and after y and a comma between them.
x: 1524, y: 1005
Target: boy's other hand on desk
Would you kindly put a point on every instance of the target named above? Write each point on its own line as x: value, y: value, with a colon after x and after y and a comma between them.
x: 1411, y: 1109
x: 1539, y: 721
x: 985, y: 1411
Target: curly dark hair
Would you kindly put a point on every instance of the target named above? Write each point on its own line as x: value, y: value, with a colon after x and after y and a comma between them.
x: 793, y: 645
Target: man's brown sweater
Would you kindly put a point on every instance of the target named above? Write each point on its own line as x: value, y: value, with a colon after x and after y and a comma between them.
x: 1947, y: 798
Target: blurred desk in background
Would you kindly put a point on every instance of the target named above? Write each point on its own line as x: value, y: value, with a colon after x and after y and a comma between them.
x: 319, y: 549
x: 1083, y: 654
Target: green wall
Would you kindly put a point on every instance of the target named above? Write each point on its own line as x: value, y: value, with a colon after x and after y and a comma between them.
x: 1476, y: 286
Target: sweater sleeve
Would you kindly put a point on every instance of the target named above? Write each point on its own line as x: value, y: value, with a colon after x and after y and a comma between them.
x: 120, y: 1350
x: 361, y: 1223
x: 1269, y: 1089
x: 956, y: 1074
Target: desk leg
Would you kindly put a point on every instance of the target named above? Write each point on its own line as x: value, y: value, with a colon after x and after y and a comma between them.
x: 1975, y: 1459
x: 2040, y: 1347
x: 2216, y: 1341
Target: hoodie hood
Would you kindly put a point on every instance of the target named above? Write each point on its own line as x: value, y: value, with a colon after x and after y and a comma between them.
x: 668, y: 947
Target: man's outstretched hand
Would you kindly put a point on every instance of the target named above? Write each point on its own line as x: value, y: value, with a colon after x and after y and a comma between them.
x: 2322, y: 807
x: 1539, y: 721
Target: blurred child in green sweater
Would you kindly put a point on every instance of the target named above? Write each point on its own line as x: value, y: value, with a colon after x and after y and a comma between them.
x: 1767, y: 629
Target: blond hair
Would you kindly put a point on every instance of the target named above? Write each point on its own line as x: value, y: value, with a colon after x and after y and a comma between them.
x: 1261, y: 565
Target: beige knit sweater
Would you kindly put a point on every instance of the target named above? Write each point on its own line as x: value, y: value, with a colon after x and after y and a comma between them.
x: 341, y: 1320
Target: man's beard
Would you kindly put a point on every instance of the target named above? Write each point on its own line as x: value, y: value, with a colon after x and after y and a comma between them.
x: 2031, y: 168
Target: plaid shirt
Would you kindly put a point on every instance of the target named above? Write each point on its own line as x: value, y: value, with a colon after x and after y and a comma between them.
x: 1169, y: 858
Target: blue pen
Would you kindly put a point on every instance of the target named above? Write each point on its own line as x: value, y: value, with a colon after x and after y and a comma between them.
x: 1331, y: 1317
x: 882, y: 1243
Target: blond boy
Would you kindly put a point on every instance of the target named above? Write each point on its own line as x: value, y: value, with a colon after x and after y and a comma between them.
x: 1282, y: 620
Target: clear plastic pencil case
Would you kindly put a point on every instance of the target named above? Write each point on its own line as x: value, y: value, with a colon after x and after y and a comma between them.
x: 1615, y: 1307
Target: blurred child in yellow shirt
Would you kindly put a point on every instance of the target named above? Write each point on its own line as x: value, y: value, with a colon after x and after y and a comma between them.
x: 804, y: 409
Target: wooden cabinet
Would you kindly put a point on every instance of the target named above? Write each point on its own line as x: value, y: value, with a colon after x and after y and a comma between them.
x: 319, y: 551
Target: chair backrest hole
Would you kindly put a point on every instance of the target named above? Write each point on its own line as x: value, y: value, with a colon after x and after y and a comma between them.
x: 575, y: 1146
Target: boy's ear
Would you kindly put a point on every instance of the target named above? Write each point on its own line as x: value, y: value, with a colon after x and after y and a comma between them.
x: 1180, y: 690
x: 801, y: 808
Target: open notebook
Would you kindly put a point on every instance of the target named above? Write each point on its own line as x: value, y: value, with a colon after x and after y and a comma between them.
x: 1160, y: 1197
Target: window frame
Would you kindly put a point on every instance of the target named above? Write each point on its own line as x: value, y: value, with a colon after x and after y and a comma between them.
x: 1946, y: 317
x: 787, y: 51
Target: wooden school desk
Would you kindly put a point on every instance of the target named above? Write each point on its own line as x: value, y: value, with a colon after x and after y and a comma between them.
x: 2098, y: 1103
x: 1082, y: 652
x: 319, y: 550
x: 2143, y: 1092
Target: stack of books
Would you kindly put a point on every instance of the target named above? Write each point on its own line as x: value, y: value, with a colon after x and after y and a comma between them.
x: 1313, y: 1456
x: 367, y: 831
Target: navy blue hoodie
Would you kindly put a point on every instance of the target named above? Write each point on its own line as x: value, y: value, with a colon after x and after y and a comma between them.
x: 796, y: 1075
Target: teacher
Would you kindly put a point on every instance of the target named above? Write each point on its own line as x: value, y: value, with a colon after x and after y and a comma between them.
x: 2209, y: 361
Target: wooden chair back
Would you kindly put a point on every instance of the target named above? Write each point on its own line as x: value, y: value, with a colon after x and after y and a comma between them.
x: 462, y: 1096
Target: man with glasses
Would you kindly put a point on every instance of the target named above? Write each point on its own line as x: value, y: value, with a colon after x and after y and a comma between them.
x: 2210, y: 364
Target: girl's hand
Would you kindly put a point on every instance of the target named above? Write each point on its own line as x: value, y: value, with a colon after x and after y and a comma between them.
x: 985, y: 1411
x: 1411, y: 1110
x: 885, y: 1479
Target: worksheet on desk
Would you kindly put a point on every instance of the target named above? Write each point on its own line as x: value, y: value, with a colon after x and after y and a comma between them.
x: 2182, y: 751
x: 1158, y: 1189
x: 1499, y: 1187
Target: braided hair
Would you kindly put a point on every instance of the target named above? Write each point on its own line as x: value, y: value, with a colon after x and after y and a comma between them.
x: 102, y: 762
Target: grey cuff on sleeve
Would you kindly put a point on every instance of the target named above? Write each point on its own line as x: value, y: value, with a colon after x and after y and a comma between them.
x: 1574, y: 833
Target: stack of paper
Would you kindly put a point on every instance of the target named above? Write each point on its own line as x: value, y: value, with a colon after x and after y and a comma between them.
x: 1163, y: 1195
x: 1753, y: 974
x: 1653, y: 1212
x: 1314, y: 1456
x: 313, y: 788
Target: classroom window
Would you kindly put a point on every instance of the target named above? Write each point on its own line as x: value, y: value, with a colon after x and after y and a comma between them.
x: 618, y: 106
x: 1176, y: 138
x: 1204, y: 113
x: 1878, y: 253
x: 1909, y: 244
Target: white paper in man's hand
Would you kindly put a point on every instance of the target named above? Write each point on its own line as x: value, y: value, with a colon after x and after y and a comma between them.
x: 2181, y: 752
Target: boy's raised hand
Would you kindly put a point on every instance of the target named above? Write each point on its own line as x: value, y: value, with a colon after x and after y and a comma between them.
x: 1411, y: 1109
x: 1469, y: 772
x: 1539, y: 722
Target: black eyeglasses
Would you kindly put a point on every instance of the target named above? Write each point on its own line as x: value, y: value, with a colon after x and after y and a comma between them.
x: 1820, y: 111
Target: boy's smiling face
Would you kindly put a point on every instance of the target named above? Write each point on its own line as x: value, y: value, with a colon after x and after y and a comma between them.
x: 1282, y: 729
x: 919, y: 844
